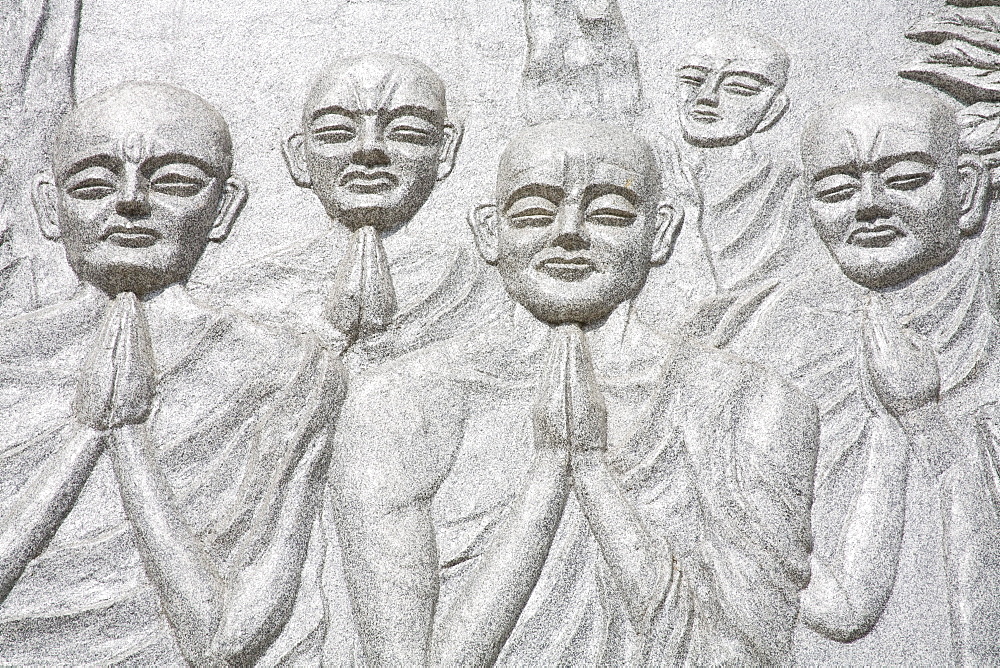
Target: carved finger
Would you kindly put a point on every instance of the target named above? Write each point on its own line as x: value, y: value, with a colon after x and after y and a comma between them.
x: 378, y: 298
x: 135, y: 366
x: 588, y: 423
x: 550, y: 415
x: 901, y: 366
x: 344, y: 302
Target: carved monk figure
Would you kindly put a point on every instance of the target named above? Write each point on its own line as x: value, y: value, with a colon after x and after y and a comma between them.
x: 564, y: 486
x: 374, y: 141
x: 160, y: 458
x: 900, y: 355
x: 730, y: 88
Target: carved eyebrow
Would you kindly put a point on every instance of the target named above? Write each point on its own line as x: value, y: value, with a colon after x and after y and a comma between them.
x: 700, y: 68
x: 334, y: 109
x: 105, y: 160
x: 554, y: 194
x: 750, y: 75
x: 600, y: 189
x: 851, y: 170
x: 415, y: 110
x: 913, y: 156
x: 155, y: 162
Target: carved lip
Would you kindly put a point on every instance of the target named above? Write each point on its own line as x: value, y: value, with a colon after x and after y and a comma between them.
x: 567, y: 268
x: 874, y: 236
x: 368, y: 181
x: 130, y: 236
x: 704, y: 115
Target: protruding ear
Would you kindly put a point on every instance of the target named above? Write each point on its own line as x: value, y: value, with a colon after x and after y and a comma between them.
x: 485, y: 222
x: 975, y: 185
x: 450, y: 141
x: 779, y: 105
x: 669, y: 221
x: 234, y: 197
x: 295, y: 158
x: 45, y: 198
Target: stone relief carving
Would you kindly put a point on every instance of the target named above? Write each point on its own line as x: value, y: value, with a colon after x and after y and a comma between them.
x: 164, y: 459
x: 603, y: 521
x: 899, y: 359
x: 672, y: 398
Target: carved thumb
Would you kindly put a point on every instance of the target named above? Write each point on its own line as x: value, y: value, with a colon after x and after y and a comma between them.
x: 118, y: 381
x: 901, y: 365
x: 378, y: 297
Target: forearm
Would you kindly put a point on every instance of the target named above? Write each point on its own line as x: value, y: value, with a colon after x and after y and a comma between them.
x: 189, y: 588
x: 46, y: 500
x: 642, y: 568
x: 263, y: 590
x: 843, y: 601
x: 504, y: 576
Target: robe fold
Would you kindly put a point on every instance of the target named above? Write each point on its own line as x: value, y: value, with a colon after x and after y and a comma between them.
x: 715, y: 454
x: 228, y: 410
x: 811, y: 332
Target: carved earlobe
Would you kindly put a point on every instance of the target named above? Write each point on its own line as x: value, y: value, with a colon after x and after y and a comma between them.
x: 485, y: 222
x: 669, y: 221
x: 779, y: 105
x: 975, y: 193
x: 233, y: 199
x: 451, y: 140
x: 45, y: 198
x: 293, y: 149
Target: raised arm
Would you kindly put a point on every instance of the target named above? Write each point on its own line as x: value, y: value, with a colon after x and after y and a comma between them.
x: 52, y: 491
x: 502, y: 577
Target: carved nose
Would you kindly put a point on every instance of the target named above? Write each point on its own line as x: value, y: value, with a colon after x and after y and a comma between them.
x: 371, y: 151
x: 571, y: 234
x: 133, y: 200
x: 707, y: 96
x: 872, y: 205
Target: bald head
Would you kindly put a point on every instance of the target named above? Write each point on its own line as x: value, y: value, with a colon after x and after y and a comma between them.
x: 375, y: 139
x: 591, y: 149
x: 890, y: 193
x: 577, y: 222
x: 143, y: 119
x: 140, y: 185
x: 377, y: 81
x: 731, y: 85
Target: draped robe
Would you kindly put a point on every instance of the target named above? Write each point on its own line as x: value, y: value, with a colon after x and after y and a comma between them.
x: 715, y: 454
x: 948, y: 560
x: 232, y: 399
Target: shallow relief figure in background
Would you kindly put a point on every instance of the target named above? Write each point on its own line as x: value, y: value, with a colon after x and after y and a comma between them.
x: 561, y: 486
x: 162, y: 459
x: 901, y: 356
x: 730, y: 87
x: 374, y: 142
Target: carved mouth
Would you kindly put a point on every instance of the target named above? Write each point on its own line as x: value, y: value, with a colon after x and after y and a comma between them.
x: 368, y: 182
x: 875, y: 236
x: 572, y: 268
x: 704, y: 115
x: 130, y: 236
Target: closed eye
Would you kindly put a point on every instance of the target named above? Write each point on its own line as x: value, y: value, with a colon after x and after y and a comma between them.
x: 612, y: 217
x: 411, y: 135
x: 690, y: 80
x: 909, y: 181
x: 333, y: 134
x: 91, y: 189
x: 837, y: 193
x: 741, y: 89
x: 177, y: 185
x: 532, y: 217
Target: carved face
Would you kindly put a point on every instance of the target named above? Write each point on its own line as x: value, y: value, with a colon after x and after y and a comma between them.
x: 140, y: 178
x: 730, y: 88
x: 576, y: 220
x: 375, y: 141
x: 887, y: 188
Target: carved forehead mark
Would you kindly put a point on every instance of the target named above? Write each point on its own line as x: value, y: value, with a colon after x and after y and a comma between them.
x: 136, y: 147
